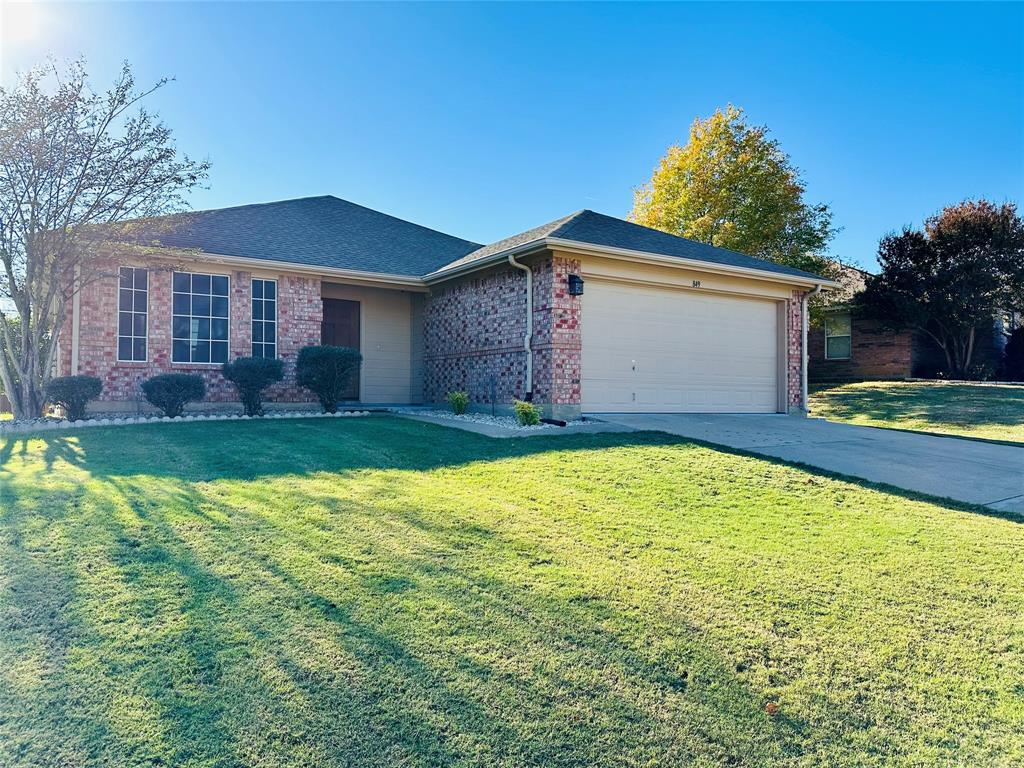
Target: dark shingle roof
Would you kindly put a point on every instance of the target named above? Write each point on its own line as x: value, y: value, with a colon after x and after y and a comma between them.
x: 529, y: 236
x: 316, y: 231
x: 334, y: 233
x: 597, y: 229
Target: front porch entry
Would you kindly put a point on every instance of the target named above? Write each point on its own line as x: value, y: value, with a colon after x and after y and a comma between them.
x: 340, y: 328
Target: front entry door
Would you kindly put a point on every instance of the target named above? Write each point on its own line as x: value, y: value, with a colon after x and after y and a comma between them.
x: 340, y: 328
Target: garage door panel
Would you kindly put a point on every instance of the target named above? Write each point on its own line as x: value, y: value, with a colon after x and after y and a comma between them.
x: 654, y: 349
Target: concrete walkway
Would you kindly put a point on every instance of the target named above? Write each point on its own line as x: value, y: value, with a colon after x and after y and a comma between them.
x: 963, y: 470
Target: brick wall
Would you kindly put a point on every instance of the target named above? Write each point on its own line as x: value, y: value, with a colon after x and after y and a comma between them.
x: 473, y: 338
x: 299, y: 316
x: 557, y: 336
x: 875, y: 354
x: 794, y: 352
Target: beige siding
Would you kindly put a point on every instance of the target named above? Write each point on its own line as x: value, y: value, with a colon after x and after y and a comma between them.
x: 649, y: 274
x: 385, y: 328
x: 416, y: 374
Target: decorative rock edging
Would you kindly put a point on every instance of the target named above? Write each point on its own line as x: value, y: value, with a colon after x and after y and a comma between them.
x: 502, y: 422
x: 49, y: 425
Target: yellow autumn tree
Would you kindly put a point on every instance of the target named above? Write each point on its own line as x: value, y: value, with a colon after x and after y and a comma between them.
x: 732, y: 186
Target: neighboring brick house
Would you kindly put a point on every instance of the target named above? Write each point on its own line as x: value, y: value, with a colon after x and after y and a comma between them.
x: 663, y: 323
x: 845, y: 347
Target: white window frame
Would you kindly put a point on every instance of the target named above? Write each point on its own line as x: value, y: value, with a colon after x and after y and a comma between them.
x: 839, y: 336
x: 173, y: 313
x: 117, y: 315
x: 252, y: 319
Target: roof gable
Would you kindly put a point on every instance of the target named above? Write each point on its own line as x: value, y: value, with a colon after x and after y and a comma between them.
x: 315, y: 231
x: 591, y: 228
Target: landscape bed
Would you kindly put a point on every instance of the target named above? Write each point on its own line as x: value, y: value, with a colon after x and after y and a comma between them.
x: 381, y: 592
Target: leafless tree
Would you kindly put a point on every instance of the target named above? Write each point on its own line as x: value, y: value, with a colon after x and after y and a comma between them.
x: 76, y: 168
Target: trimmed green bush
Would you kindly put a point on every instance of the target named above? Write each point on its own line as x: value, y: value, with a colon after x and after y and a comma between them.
x: 73, y: 393
x: 252, y: 375
x: 527, y: 414
x: 459, y: 402
x: 170, y: 392
x: 327, y: 372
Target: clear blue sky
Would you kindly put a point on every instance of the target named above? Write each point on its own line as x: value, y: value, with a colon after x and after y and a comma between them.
x: 482, y: 120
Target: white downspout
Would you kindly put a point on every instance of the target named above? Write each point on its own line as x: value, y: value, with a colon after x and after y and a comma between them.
x: 528, y: 336
x: 805, y: 321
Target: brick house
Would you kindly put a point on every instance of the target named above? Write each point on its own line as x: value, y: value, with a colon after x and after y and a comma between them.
x: 846, y: 347
x: 585, y: 314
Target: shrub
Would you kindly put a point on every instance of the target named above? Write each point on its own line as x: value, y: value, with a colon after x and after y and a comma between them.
x: 327, y: 371
x: 252, y: 375
x: 527, y: 414
x: 72, y: 393
x: 171, y: 391
x: 459, y: 402
x: 1013, y: 356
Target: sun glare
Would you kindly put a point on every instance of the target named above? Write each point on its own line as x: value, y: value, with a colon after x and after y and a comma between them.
x: 19, y: 22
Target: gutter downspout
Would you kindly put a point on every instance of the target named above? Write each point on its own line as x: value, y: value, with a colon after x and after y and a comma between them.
x: 528, y: 336
x: 805, y: 320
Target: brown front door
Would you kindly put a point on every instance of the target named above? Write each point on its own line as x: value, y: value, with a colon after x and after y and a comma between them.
x: 340, y: 328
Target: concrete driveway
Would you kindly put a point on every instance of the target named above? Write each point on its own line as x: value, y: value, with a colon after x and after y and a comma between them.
x: 964, y: 470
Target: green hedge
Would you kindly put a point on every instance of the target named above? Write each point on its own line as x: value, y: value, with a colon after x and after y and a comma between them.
x: 327, y: 372
x: 170, y: 392
x: 73, y: 393
x: 252, y: 375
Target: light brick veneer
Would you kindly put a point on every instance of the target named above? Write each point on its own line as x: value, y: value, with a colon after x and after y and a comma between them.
x: 299, y: 318
x: 794, y: 352
x: 473, y: 338
x: 557, y: 338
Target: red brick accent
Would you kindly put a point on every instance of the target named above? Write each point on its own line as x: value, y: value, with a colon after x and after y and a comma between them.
x: 794, y: 351
x: 473, y: 336
x: 875, y: 354
x: 299, y: 317
x: 557, y: 338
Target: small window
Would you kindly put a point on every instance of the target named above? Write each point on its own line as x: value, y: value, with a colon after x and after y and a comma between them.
x: 199, y: 320
x: 132, y: 314
x: 264, y: 318
x: 837, y: 336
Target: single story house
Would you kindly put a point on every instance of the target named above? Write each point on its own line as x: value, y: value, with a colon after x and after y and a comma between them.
x: 845, y: 346
x: 588, y: 313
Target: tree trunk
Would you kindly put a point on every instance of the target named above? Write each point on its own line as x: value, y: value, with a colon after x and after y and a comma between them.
x: 969, y: 353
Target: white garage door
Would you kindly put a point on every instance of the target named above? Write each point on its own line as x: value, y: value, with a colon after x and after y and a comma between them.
x: 667, y: 350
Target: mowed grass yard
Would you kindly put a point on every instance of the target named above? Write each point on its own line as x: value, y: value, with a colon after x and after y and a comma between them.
x: 983, y: 411
x: 382, y: 592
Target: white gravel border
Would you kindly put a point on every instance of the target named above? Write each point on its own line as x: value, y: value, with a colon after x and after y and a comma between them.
x: 49, y: 425
x: 505, y: 422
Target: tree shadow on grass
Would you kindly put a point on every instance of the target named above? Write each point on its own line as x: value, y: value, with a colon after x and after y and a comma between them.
x: 240, y: 647
x: 255, y: 451
x: 938, y: 404
x: 252, y: 637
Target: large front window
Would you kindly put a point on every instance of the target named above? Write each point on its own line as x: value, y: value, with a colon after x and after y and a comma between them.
x: 132, y: 314
x: 200, y: 318
x: 264, y: 318
x: 837, y: 336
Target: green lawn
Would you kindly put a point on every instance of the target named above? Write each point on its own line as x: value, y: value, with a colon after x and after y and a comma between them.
x: 381, y: 592
x: 970, y: 410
